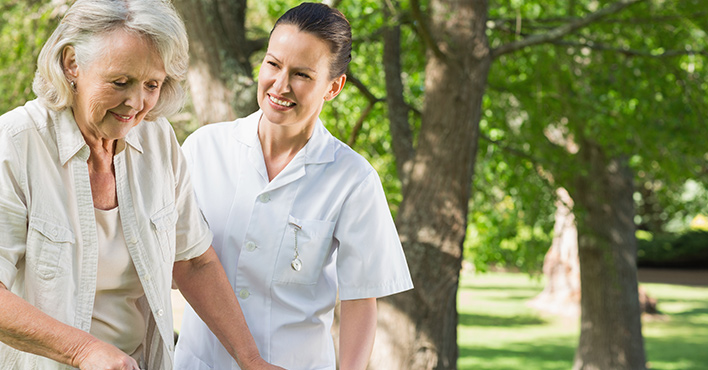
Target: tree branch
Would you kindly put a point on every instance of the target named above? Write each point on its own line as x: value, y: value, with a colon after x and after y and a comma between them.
x: 424, y: 30
x: 513, y: 151
x: 563, y: 30
x: 372, y: 101
x: 631, y: 52
x: 254, y: 45
x: 362, y: 88
x: 359, y: 123
x: 642, y: 20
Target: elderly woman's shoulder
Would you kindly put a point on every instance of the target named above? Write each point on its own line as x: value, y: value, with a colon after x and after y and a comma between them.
x: 32, y: 115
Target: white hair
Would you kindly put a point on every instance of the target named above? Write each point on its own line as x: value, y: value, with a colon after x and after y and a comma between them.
x: 84, y: 27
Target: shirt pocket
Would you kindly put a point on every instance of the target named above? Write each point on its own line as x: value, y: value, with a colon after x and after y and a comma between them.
x: 163, y: 224
x: 314, y: 243
x: 46, y: 243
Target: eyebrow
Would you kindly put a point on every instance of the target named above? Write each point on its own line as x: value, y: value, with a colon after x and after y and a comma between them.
x: 298, y: 68
x: 132, y: 77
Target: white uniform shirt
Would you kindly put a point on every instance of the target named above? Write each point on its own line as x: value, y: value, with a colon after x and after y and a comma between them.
x: 49, y: 244
x: 346, y: 241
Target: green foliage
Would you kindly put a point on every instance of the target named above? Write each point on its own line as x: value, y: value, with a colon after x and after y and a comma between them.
x: 669, y: 209
x: 24, y: 27
x: 689, y: 249
x: 629, y: 83
x: 511, y: 212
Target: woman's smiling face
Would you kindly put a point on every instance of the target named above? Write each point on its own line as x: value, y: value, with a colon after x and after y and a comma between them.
x: 294, y: 80
x: 115, y: 91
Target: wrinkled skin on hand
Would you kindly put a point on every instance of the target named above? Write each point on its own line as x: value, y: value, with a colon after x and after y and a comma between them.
x: 103, y: 356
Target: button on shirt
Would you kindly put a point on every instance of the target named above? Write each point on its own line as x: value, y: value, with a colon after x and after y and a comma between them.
x: 327, y: 209
x: 48, y: 244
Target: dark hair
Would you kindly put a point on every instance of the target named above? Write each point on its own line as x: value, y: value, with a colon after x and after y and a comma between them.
x: 329, y: 25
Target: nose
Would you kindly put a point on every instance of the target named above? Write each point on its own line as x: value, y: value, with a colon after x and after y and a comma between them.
x: 135, y: 98
x: 282, y: 82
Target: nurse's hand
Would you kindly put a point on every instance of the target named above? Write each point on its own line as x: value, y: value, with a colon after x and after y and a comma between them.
x: 206, y: 288
x: 100, y: 355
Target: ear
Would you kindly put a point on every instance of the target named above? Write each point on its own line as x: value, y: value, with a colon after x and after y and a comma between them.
x: 68, y: 58
x: 336, y: 87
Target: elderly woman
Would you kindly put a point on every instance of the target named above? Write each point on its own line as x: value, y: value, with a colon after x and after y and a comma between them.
x: 97, y: 210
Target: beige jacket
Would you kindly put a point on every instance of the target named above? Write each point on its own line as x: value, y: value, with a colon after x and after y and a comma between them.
x: 48, y: 243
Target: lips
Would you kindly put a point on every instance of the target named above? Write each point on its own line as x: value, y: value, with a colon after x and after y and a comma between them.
x: 121, y: 117
x: 279, y: 102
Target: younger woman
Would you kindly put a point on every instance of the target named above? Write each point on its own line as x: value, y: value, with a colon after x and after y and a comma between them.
x: 298, y: 216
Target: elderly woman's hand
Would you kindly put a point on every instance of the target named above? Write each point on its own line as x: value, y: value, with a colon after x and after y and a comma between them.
x: 99, y: 355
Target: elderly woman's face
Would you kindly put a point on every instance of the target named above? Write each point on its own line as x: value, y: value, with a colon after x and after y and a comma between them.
x: 116, y: 90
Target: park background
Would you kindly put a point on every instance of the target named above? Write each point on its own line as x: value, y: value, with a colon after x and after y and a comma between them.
x: 507, y: 134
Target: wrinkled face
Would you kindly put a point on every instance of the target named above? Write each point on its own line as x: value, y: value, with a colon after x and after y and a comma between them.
x: 115, y: 91
x: 294, y: 81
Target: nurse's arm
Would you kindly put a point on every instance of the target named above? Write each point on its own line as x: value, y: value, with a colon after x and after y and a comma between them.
x: 204, y: 285
x: 26, y: 328
x: 357, y: 329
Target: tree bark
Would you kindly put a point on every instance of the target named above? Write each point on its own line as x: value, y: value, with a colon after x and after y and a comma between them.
x: 220, y: 75
x: 418, y: 329
x: 611, y: 333
x: 561, y: 266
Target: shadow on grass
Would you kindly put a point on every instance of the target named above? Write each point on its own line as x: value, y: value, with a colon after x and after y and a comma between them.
x: 467, y: 319
x: 500, y: 288
x: 681, y: 300
x: 545, y: 355
x: 677, y: 352
x: 665, y: 353
x: 692, y: 312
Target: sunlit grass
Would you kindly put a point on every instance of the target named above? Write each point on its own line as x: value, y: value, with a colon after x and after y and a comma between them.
x: 498, y: 331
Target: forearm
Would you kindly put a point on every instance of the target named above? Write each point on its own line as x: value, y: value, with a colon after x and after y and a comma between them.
x: 205, y: 286
x: 26, y: 328
x: 357, y: 330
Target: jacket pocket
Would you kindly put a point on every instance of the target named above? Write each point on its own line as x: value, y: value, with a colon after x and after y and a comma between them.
x: 305, y: 247
x: 46, y: 242
x: 163, y: 223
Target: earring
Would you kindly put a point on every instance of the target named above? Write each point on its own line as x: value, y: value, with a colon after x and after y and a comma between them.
x: 73, y: 85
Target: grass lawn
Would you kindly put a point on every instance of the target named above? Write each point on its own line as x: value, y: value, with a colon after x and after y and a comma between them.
x: 498, y: 332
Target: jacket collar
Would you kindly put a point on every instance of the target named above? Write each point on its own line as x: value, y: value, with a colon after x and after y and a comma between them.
x: 70, y: 141
x: 319, y: 149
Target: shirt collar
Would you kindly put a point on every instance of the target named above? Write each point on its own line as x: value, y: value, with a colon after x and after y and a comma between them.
x: 319, y: 149
x: 70, y: 141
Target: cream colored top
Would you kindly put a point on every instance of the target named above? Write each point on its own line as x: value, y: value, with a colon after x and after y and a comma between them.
x: 117, y: 318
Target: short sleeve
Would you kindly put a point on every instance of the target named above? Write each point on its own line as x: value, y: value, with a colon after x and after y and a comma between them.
x: 370, y: 259
x: 193, y: 234
x: 13, y: 212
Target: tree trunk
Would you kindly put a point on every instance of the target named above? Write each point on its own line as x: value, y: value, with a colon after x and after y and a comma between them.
x: 401, y: 133
x: 220, y: 75
x: 418, y: 329
x: 561, y: 266
x: 611, y: 333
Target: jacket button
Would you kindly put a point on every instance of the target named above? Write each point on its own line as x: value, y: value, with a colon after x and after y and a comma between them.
x: 244, y: 293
